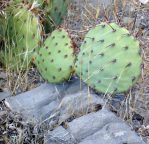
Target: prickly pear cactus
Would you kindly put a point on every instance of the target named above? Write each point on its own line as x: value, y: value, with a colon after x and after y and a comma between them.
x: 109, y: 59
x: 55, y: 60
x: 55, y: 11
x: 23, y: 35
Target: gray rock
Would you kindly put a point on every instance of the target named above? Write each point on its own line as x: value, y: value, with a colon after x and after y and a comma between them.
x: 86, y: 125
x: 4, y: 95
x: 37, y: 102
x: 144, y: 1
x: 59, y: 136
x: 3, y: 75
x: 114, y: 133
x: 78, y: 104
x: 101, y: 127
x: 72, y: 106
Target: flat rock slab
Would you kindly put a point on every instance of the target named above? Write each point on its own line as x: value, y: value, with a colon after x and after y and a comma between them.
x: 144, y: 1
x: 38, y: 102
x: 101, y: 127
x: 30, y: 103
x: 90, y: 123
x: 78, y: 104
x: 113, y: 133
x: 4, y: 95
x: 59, y: 136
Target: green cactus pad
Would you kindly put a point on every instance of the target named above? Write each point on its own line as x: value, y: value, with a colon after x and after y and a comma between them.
x: 57, y: 9
x: 23, y: 36
x: 109, y: 59
x: 55, y: 60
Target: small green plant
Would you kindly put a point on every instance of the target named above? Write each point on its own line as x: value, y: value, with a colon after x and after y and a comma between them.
x: 55, y: 59
x: 109, y: 59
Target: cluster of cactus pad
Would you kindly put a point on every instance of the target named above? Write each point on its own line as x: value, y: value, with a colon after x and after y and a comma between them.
x: 25, y: 27
x: 55, y: 59
x: 23, y: 36
x: 109, y: 60
x: 54, y: 11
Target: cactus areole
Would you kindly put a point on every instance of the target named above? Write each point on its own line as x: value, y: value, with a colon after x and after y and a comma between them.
x: 109, y: 60
x: 55, y: 60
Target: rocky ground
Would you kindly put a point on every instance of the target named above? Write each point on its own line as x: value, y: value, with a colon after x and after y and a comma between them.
x: 65, y: 113
x: 132, y: 107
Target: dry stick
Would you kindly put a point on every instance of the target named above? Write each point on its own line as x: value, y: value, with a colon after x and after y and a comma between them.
x: 105, y: 15
x: 116, y: 11
x: 97, y: 10
x: 90, y: 14
x: 109, y: 95
x: 128, y: 101
x: 134, y: 23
